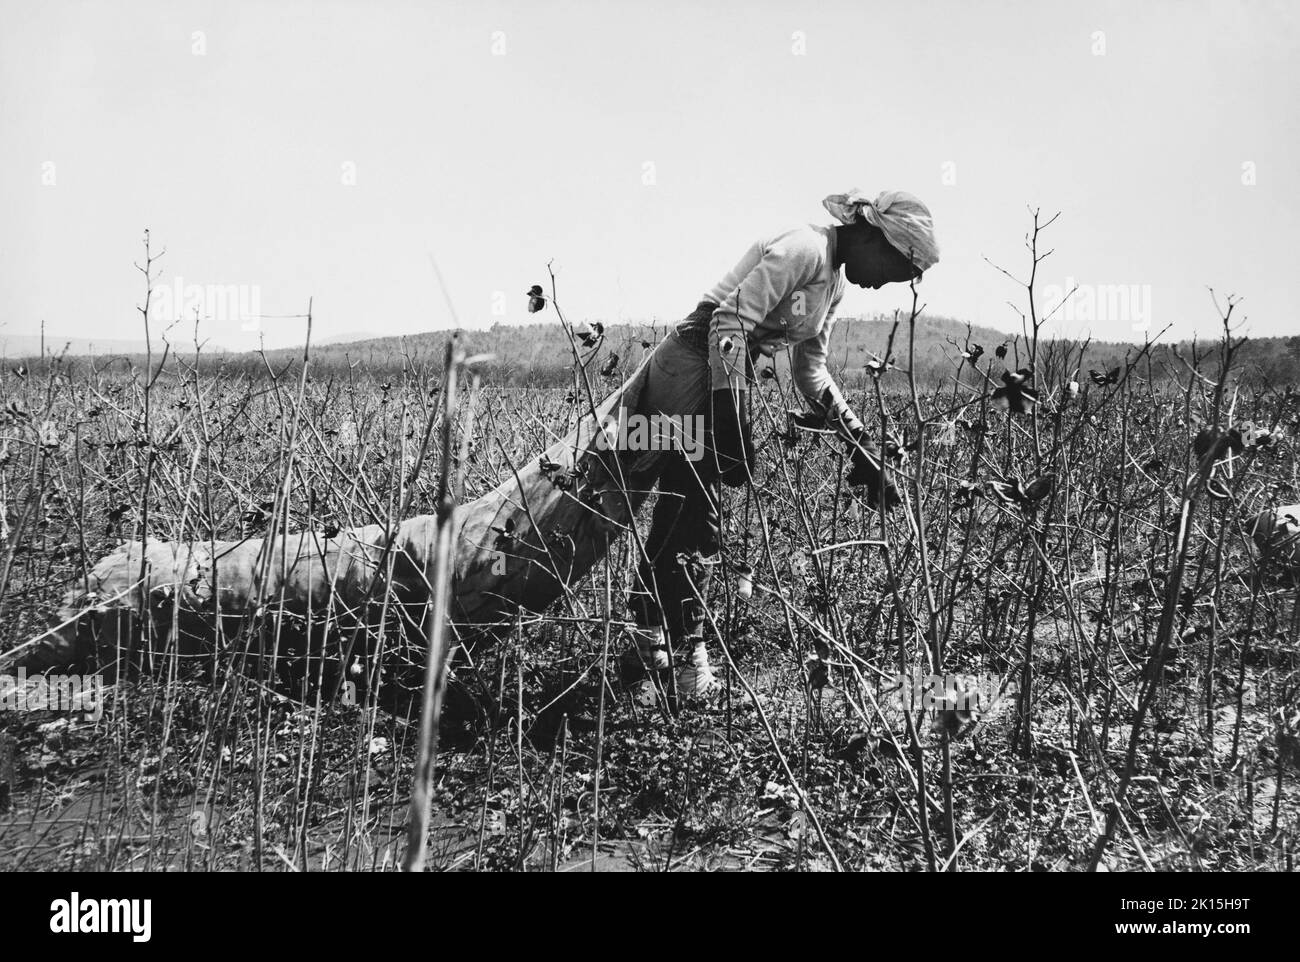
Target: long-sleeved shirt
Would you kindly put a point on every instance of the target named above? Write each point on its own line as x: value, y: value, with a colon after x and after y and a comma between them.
x: 784, y: 291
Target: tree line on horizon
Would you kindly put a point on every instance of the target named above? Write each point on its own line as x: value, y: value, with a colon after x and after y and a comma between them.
x: 540, y: 355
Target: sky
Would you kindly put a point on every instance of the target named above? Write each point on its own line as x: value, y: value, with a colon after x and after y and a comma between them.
x: 335, y: 152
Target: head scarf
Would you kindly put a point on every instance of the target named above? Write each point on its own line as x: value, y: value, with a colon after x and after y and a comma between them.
x: 901, y: 217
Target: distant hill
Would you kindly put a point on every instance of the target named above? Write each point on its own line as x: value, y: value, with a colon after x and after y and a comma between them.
x: 30, y: 345
x: 350, y: 337
x: 540, y: 353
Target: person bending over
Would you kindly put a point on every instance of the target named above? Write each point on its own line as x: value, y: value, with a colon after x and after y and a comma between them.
x: 783, y: 293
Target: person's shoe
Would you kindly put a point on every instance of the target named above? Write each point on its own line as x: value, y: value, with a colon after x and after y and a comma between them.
x: 695, y: 678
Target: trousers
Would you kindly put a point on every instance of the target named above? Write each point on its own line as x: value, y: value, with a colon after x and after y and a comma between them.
x: 686, y: 519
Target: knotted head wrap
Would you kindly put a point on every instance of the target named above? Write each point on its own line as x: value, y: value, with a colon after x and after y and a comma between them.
x: 901, y: 217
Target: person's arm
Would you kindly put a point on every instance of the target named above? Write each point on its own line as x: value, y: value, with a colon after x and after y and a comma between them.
x: 814, y: 381
x: 778, y: 272
x: 823, y: 395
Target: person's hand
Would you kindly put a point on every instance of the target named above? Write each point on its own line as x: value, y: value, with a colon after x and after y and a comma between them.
x: 867, y: 471
x: 730, y: 444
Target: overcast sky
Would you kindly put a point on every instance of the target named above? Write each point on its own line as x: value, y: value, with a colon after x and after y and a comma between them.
x: 327, y: 150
